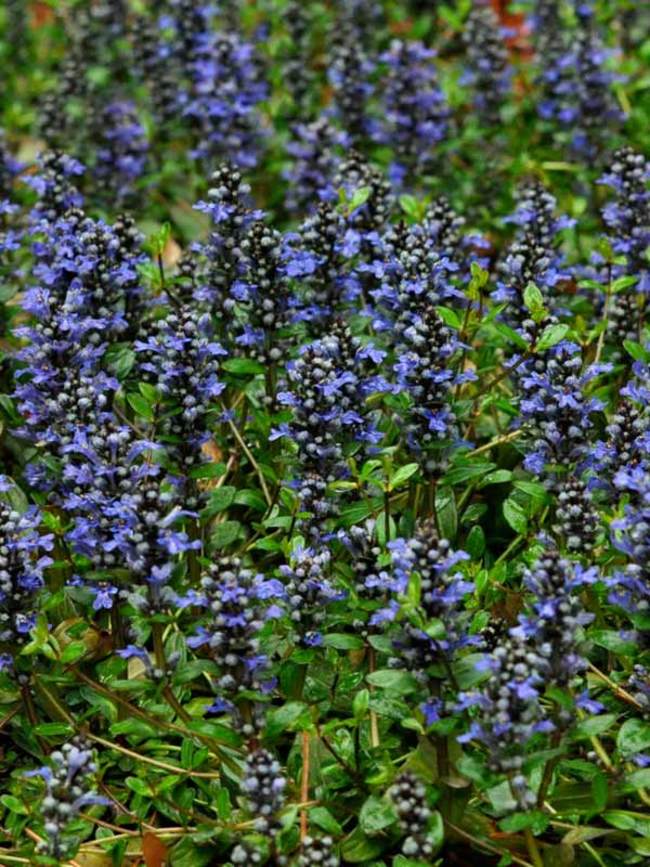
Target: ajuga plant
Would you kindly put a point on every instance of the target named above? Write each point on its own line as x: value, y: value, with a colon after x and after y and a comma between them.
x: 533, y: 257
x: 324, y: 434
x: 297, y: 65
x: 594, y: 96
x: 488, y: 69
x: 69, y: 787
x: 349, y: 72
x: 554, y: 60
x: 312, y: 152
x: 121, y: 161
x: 415, y: 110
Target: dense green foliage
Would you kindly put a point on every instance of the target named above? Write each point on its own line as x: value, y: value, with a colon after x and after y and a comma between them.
x: 324, y: 433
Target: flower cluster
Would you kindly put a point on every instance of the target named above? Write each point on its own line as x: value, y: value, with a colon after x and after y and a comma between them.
x: 349, y: 72
x: 543, y: 650
x: 594, y: 103
x: 488, y: 67
x: 69, y: 788
x: 237, y: 603
x: 627, y: 217
x: 631, y: 535
x: 180, y: 358
x: 554, y: 406
x: 409, y: 796
x: 264, y: 785
x: 312, y: 149
x: 122, y: 155
x: 415, y: 110
x: 329, y: 383
x: 225, y: 86
x: 22, y: 561
x: 533, y: 256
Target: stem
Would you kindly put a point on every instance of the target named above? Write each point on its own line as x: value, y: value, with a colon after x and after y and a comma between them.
x: 533, y: 849
x: 602, y: 754
x: 483, y: 844
x: 117, y: 629
x: 618, y: 691
x: 219, y: 753
x: 374, y: 726
x: 161, y: 663
x: 601, y: 336
x: 33, y: 836
x: 304, y: 787
x: 161, y: 271
x: 346, y: 767
x: 158, y: 646
x: 387, y: 515
x: 593, y: 853
x: 28, y: 701
x: 165, y: 766
x: 511, y: 547
x: 233, y: 427
x: 505, y: 438
x: 548, y: 772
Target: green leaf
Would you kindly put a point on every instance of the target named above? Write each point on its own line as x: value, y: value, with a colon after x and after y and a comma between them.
x: 252, y: 499
x: 322, y: 817
x: 611, y: 639
x: 149, y: 392
x: 599, y: 791
x: 74, y: 651
x: 594, y: 726
x: 53, y: 730
x: 224, y: 534
x: 360, y: 704
x: 410, y: 205
x: 376, y: 814
x: 515, y: 516
x: 476, y: 770
x: 138, y: 786
x: 633, y: 737
x: 511, y: 335
x: 475, y: 542
x: 533, y: 298
x: 14, y: 805
x: 188, y: 854
x: 399, y: 682
x: 551, y: 335
x: 467, y: 671
x: 208, y: 471
x: 141, y: 406
x: 242, y: 366
x: 639, y: 779
x: 480, y: 276
x: 359, y: 849
x: 537, y: 821
x: 628, y: 821
x: 341, y: 641
x: 456, y: 475
x: 450, y: 317
x: 638, y: 352
x: 446, y: 512
x: 221, y: 499
x: 293, y: 716
x: 624, y: 282
x: 498, y: 477
x: 359, y: 198
x: 120, y: 359
x: 402, y: 475
x: 358, y: 512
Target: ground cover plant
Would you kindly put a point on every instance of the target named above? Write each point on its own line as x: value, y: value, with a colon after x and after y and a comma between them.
x: 324, y: 433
